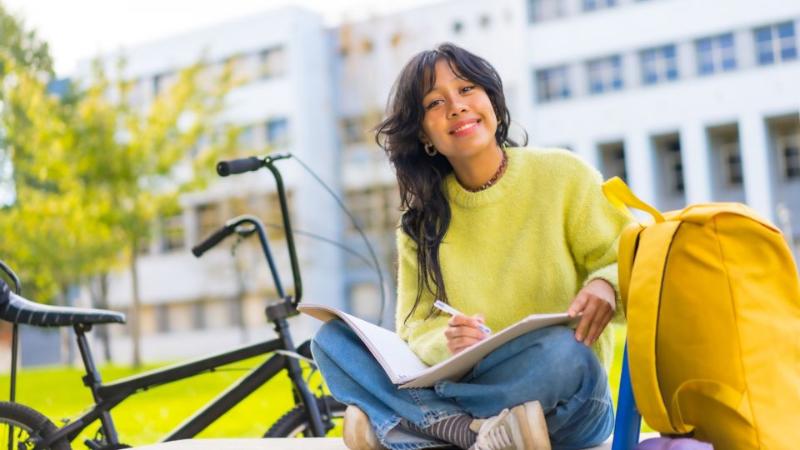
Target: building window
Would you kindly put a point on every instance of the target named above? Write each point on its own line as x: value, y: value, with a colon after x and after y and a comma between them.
x: 163, y: 82
x: 485, y: 20
x: 613, y: 160
x: 775, y: 43
x: 675, y: 166
x: 591, y: 5
x: 789, y: 152
x: 540, y: 10
x: 732, y: 162
x: 659, y: 64
x: 278, y: 132
x: 353, y: 130
x: 172, y: 233
x: 272, y: 63
x: 247, y: 138
x: 267, y: 208
x: 376, y: 209
x: 158, y: 84
x: 198, y: 316
x: 162, y: 318
x: 458, y: 27
x: 605, y: 74
x: 715, y: 54
x: 208, y: 219
x: 552, y: 84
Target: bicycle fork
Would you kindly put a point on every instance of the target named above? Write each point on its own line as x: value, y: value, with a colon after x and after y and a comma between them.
x: 318, y: 428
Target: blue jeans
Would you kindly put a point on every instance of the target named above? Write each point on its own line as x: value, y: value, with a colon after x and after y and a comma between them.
x: 547, y: 365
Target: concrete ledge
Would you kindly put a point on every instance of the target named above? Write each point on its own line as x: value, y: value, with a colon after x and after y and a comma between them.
x: 283, y: 444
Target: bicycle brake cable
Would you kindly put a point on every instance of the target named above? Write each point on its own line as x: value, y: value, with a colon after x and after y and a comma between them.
x: 358, y: 228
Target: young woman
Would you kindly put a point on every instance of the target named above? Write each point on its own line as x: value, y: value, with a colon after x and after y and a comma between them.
x: 499, y: 232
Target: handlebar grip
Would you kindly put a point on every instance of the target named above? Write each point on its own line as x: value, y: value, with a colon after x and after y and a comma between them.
x: 233, y: 167
x: 212, y: 240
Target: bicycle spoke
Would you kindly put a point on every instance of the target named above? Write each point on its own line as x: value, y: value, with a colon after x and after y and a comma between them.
x: 15, y: 438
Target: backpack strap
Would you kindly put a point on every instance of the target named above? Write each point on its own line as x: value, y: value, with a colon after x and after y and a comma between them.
x: 642, y: 310
x: 620, y: 195
x: 645, y: 247
x: 626, y: 253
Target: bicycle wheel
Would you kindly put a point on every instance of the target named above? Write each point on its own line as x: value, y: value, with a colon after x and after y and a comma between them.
x: 22, y: 428
x: 296, y: 422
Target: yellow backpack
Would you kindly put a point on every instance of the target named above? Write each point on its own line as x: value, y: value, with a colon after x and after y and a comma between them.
x: 712, y: 298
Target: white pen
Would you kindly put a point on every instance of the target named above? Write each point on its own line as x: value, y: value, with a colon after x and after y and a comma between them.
x: 454, y: 312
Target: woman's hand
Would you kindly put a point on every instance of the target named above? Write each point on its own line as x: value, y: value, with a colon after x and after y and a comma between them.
x: 597, y: 303
x: 463, y: 331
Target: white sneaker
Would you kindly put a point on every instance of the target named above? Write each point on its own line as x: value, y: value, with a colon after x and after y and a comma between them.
x: 521, y: 428
x: 357, y: 431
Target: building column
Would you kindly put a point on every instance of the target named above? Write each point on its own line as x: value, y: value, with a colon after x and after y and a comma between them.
x: 695, y: 157
x: 587, y: 150
x: 571, y: 7
x: 640, y: 166
x: 755, y: 150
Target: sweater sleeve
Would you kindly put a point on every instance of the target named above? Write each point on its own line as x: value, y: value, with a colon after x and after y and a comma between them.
x: 593, y: 229
x: 424, y: 334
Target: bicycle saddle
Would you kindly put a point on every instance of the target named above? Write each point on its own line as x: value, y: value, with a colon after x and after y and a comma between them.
x: 16, y: 309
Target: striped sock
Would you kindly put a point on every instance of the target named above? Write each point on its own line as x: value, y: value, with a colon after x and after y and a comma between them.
x: 454, y: 429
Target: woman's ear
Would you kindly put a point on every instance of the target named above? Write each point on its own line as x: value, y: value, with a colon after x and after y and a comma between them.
x: 424, y: 138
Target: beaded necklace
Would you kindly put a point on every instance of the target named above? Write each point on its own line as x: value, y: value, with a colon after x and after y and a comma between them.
x: 495, y: 177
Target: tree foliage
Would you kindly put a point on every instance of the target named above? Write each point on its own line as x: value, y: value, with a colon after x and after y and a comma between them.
x: 94, y: 167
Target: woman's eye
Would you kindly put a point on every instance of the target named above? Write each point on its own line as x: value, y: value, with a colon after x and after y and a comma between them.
x: 432, y: 104
x: 466, y: 89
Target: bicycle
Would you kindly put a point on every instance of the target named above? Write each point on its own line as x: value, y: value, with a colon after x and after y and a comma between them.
x: 312, y: 415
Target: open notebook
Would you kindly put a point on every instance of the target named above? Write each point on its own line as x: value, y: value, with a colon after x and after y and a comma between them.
x: 404, y: 368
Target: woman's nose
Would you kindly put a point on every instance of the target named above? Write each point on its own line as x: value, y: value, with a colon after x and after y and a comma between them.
x: 456, y: 109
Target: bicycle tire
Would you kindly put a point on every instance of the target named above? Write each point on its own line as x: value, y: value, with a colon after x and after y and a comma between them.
x: 32, y: 422
x: 295, y: 423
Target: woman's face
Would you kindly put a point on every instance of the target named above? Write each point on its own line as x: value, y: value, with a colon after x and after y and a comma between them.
x: 459, y: 118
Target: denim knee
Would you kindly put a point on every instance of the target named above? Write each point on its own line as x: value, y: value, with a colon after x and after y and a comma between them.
x: 329, y: 336
x: 564, y: 351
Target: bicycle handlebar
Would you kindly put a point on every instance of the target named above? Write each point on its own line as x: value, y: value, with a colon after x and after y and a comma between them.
x: 213, y: 240
x: 236, y: 166
x: 250, y: 164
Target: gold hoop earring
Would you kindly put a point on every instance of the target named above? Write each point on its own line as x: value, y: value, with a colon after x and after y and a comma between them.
x: 430, y: 149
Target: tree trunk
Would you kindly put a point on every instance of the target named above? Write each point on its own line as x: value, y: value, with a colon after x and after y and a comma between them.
x: 65, y: 333
x: 135, y: 313
x: 99, y: 291
x: 241, y: 292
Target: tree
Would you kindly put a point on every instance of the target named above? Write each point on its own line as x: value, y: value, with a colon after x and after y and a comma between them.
x: 23, y: 46
x: 93, y: 170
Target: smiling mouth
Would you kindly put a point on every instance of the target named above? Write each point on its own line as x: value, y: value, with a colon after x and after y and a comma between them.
x: 465, y: 127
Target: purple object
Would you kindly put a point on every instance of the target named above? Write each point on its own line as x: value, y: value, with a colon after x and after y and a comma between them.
x: 663, y: 443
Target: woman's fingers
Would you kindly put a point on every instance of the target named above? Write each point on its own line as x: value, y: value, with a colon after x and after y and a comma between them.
x: 594, y: 320
x: 584, y: 325
x: 462, y: 332
x: 453, y: 332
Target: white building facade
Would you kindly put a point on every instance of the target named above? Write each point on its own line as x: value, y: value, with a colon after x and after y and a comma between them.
x: 688, y: 101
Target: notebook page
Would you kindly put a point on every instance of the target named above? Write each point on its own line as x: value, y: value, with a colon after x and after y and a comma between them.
x: 389, y: 349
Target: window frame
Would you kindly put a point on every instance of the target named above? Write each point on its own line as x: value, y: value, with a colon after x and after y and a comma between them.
x: 659, y: 64
x: 605, y: 74
x: 552, y: 84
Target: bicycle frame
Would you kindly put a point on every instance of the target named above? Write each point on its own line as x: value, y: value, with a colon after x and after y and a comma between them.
x: 107, y: 396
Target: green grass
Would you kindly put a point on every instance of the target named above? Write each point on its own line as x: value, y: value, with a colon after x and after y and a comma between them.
x: 146, y: 417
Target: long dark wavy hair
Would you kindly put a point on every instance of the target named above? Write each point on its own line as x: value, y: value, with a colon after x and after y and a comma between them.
x: 426, y: 212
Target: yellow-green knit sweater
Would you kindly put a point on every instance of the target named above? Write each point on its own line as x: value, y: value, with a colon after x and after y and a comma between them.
x: 525, y: 245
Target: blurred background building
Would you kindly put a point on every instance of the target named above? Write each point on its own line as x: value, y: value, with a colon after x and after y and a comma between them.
x: 687, y: 101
